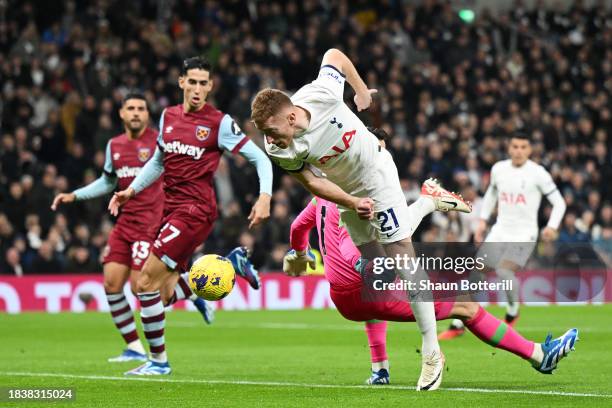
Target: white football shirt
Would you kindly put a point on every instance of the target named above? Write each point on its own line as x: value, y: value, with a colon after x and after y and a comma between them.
x: 518, y: 192
x: 336, y: 141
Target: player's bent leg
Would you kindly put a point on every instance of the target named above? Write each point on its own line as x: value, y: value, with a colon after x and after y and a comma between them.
x: 115, y: 276
x: 425, y: 315
x: 177, y: 288
x: 377, y: 340
x: 543, y: 356
x: 152, y: 277
x: 457, y: 328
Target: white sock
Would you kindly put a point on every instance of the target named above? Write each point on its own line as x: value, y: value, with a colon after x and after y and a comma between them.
x: 193, y: 297
x: 380, y: 364
x: 136, y: 346
x: 512, y: 296
x: 418, y: 210
x: 425, y: 316
x: 159, y: 357
x: 538, y: 355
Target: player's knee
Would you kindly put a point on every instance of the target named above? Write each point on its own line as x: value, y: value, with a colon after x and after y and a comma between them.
x: 112, y: 284
x: 112, y: 287
x: 465, y: 310
x: 144, y: 282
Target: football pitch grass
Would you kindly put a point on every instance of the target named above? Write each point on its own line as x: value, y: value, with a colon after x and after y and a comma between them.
x: 310, y: 358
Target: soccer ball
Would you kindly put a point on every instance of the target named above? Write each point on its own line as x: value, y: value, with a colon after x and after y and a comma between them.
x: 212, y: 277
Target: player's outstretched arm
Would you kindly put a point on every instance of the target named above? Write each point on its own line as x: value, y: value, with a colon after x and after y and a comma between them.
x: 232, y: 139
x: 149, y: 173
x: 339, y: 60
x: 322, y: 187
x: 101, y: 186
x: 301, y: 226
x: 261, y: 209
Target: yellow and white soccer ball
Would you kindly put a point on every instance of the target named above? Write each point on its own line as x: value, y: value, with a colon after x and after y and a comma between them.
x: 212, y: 277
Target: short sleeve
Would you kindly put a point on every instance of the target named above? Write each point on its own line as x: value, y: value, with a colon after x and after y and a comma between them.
x: 546, y: 184
x: 332, y: 80
x: 108, y: 161
x: 231, y: 137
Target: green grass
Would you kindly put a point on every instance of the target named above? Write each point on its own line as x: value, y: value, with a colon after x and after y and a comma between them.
x: 305, y: 347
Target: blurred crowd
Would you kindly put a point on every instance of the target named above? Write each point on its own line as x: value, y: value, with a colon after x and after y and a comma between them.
x: 449, y: 92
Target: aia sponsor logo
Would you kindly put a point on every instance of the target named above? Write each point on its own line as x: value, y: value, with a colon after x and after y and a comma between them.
x: 512, y: 199
x: 340, y: 148
x: 143, y: 154
x: 202, y: 132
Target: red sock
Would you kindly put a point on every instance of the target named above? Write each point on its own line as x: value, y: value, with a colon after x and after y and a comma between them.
x: 377, y: 339
x: 498, y: 334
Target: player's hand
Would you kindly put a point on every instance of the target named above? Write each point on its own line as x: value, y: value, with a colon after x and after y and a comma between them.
x: 62, y: 198
x: 295, y: 262
x: 549, y: 234
x: 260, y: 211
x: 480, y: 231
x: 120, y: 198
x: 364, y: 99
x: 364, y: 208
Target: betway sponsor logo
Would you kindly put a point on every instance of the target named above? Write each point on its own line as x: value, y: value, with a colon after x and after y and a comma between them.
x: 126, y: 171
x: 181, y: 148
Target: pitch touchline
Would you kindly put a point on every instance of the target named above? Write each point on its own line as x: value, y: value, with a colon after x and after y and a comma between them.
x: 289, y: 384
x: 357, y: 326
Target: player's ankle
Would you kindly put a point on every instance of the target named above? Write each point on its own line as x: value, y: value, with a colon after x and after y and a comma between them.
x: 537, y: 355
x: 159, y: 357
x: 376, y: 366
x: 136, y: 346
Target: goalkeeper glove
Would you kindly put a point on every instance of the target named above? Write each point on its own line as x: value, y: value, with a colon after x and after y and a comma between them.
x: 294, y: 262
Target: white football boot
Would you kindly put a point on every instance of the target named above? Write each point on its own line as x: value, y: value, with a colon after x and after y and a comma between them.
x: 431, y: 372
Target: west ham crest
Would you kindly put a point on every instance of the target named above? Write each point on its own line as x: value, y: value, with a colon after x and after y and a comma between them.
x: 143, y: 154
x: 202, y: 133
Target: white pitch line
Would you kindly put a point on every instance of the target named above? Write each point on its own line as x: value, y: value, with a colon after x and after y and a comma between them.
x: 356, y: 326
x: 302, y: 385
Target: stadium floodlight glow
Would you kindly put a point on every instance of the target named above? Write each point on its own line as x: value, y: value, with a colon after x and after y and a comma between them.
x: 467, y: 15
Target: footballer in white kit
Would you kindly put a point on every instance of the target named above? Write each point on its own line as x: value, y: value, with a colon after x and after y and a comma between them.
x: 323, y: 144
x: 517, y: 186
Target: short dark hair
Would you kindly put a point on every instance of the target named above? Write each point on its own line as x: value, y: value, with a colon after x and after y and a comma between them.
x: 520, y: 135
x: 133, y: 95
x: 195, y: 63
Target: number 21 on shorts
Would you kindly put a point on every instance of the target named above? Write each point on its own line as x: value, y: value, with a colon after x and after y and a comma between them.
x: 388, y: 222
x: 166, y: 234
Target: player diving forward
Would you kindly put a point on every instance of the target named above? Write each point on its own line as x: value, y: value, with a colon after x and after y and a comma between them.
x: 314, y: 131
x: 192, y: 137
x: 341, y: 257
x: 132, y: 237
x: 517, y: 186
